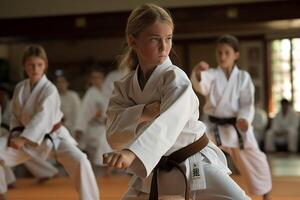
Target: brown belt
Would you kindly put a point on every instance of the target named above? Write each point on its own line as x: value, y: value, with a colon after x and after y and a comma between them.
x: 167, y: 163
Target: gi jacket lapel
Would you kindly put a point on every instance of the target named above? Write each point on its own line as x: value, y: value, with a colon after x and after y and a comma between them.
x: 30, y: 98
x: 152, y: 84
x: 228, y: 90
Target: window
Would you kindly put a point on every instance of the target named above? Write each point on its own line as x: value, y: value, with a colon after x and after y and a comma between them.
x: 285, y: 64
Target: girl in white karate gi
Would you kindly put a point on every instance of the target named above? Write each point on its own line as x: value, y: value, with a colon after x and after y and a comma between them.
x: 41, y: 169
x: 229, y: 94
x: 155, y: 106
x: 36, y: 112
x: 92, y: 120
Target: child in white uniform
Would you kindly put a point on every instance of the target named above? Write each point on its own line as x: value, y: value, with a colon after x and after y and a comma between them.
x: 229, y: 95
x: 36, y: 116
x: 92, y: 120
x: 156, y: 106
x: 70, y: 104
x: 41, y: 169
x: 284, y: 128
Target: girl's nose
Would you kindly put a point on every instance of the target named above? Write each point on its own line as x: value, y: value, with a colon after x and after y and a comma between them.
x: 162, y: 45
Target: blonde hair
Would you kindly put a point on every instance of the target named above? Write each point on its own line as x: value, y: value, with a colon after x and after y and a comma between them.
x: 139, y: 19
x: 37, y: 51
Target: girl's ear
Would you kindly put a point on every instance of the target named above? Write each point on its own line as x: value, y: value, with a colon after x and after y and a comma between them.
x: 131, y: 41
x: 237, y: 55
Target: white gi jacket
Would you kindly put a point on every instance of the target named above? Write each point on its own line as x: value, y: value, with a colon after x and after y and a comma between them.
x: 70, y: 106
x: 30, y: 109
x: 94, y: 129
x: 175, y: 127
x: 108, y: 84
x: 226, y: 98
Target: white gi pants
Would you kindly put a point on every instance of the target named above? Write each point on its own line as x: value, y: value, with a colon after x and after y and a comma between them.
x: 219, y: 186
x: 41, y: 168
x: 253, y: 167
x: 74, y: 161
x: 9, y: 175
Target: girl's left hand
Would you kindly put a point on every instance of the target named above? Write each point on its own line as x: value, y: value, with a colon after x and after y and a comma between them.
x: 18, y: 142
x: 242, y: 124
x: 119, y: 160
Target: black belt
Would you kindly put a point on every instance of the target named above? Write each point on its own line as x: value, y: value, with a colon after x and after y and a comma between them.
x: 15, y: 132
x: 167, y: 163
x: 222, y: 122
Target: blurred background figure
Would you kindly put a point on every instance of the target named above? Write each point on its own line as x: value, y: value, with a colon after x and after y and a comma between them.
x: 70, y: 103
x: 4, y: 132
x: 260, y: 123
x: 108, y: 84
x: 284, y: 129
x: 90, y: 129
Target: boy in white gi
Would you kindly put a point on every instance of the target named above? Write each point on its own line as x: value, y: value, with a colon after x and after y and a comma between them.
x: 36, y: 128
x: 284, y: 128
x: 229, y: 95
x: 155, y: 106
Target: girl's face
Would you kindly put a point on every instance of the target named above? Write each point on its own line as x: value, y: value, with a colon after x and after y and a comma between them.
x: 226, y: 56
x: 35, y: 68
x: 153, y: 44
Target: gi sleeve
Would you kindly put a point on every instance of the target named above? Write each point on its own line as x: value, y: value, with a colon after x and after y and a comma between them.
x: 123, y: 114
x: 86, y: 112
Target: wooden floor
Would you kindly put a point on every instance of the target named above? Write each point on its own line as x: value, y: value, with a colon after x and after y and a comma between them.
x: 285, y: 170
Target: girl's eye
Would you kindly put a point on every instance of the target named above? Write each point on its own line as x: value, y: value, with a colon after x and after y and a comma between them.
x: 169, y: 39
x: 154, y: 39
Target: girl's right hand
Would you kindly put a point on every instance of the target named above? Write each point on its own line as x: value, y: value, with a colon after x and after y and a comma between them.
x: 150, y: 112
x: 120, y: 160
x: 201, y: 66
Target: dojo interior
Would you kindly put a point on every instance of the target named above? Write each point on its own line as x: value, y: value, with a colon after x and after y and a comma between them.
x: 79, y: 35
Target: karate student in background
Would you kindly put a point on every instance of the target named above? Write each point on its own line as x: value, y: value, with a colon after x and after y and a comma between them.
x: 229, y: 103
x: 41, y: 169
x: 260, y: 123
x: 36, y: 116
x: 70, y: 103
x: 156, y: 107
x: 91, y: 126
x: 9, y: 174
x: 284, y: 128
